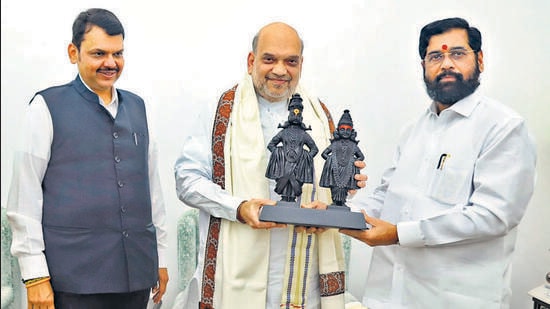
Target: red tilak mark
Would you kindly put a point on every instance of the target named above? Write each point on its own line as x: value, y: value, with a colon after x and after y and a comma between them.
x: 444, y: 46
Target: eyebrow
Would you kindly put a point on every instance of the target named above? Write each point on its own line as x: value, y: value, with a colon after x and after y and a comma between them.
x: 99, y: 49
x: 292, y: 57
x: 450, y: 49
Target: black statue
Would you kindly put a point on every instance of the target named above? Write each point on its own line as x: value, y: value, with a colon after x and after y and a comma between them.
x: 290, y: 164
x: 340, y: 155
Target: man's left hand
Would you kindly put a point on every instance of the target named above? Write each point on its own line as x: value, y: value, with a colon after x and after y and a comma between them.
x: 160, y: 288
x: 361, y: 178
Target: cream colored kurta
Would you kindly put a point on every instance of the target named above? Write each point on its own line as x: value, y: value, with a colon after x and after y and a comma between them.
x: 245, y: 165
x: 243, y: 274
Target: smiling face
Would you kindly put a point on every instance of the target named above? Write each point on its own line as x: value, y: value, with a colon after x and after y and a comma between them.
x: 451, y: 68
x: 100, y: 60
x: 276, y: 64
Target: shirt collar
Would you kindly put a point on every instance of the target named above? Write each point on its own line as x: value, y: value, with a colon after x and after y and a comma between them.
x: 265, y: 102
x: 464, y: 107
x: 114, y: 95
x: 275, y: 107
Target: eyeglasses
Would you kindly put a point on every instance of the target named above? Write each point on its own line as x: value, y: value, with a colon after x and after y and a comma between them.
x: 456, y: 55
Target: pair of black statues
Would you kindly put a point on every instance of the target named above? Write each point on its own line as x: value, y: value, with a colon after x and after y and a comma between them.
x: 291, y: 165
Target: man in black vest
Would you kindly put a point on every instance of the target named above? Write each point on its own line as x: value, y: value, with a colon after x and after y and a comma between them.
x: 85, y: 204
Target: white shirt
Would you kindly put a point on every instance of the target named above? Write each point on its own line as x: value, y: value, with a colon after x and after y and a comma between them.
x: 194, y: 187
x: 457, y: 223
x: 24, y: 207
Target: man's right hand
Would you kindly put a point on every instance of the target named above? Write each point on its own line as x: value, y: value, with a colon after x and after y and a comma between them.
x: 381, y: 233
x: 40, y: 296
x: 249, y: 212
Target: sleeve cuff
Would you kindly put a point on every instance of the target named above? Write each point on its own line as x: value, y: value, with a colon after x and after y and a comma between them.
x: 33, y: 266
x: 162, y: 258
x: 410, y: 234
x: 237, y: 201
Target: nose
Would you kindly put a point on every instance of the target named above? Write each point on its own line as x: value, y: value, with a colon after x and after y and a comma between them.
x: 279, y: 68
x: 110, y: 61
x: 447, y: 62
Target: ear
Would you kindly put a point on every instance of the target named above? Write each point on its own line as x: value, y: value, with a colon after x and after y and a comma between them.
x: 73, y: 53
x: 250, y: 61
x: 480, y: 60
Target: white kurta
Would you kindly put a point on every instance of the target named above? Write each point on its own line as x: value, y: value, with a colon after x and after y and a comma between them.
x: 25, y: 197
x: 456, y: 222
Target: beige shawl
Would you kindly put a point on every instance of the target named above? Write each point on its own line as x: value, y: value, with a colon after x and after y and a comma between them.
x: 242, y: 259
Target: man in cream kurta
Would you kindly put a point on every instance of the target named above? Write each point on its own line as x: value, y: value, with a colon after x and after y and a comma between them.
x: 255, y: 262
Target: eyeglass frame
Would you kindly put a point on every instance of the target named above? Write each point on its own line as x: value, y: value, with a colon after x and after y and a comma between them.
x: 453, y: 57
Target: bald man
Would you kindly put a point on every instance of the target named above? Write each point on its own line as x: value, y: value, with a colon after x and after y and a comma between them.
x: 245, y: 262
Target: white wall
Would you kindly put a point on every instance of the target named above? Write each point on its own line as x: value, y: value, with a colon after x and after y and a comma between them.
x: 359, y: 54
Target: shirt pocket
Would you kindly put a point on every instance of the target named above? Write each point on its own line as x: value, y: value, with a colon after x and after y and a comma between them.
x: 450, y: 185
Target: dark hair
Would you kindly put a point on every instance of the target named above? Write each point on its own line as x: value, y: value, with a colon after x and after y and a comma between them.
x: 444, y: 25
x: 95, y: 17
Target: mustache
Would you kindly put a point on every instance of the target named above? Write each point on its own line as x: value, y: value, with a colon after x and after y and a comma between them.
x: 285, y: 78
x: 458, y: 76
x: 108, y: 69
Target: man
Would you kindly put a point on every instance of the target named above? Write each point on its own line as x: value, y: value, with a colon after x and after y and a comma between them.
x: 444, y: 218
x: 85, y: 204
x: 244, y: 262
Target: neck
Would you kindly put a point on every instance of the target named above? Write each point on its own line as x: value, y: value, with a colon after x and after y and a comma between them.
x: 264, y: 100
x: 441, y: 107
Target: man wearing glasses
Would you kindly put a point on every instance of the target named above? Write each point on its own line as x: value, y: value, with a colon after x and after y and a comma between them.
x: 444, y: 218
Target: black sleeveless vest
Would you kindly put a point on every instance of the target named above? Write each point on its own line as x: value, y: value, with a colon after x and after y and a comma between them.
x: 97, y: 223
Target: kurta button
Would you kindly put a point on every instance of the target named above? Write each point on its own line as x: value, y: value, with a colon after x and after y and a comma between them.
x: 115, y: 134
x: 117, y: 159
x: 123, y: 209
x: 125, y: 234
x: 120, y: 184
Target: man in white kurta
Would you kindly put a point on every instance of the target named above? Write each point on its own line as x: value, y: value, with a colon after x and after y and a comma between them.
x: 449, y: 206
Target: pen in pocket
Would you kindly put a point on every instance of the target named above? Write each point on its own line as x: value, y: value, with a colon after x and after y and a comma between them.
x: 442, y: 159
x: 135, y: 138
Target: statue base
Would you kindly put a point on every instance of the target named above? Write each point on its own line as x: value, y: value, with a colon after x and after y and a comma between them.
x: 334, y: 216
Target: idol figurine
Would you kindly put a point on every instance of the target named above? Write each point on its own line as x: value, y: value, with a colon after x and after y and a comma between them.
x: 339, y: 168
x: 291, y: 165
